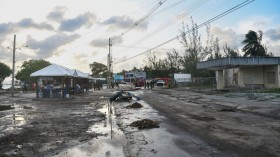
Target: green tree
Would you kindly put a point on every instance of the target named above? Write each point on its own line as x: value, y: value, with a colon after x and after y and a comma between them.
x: 195, y: 51
x: 98, y: 69
x: 156, y: 67
x: 28, y: 67
x: 5, y: 71
x: 229, y: 52
x: 253, y: 45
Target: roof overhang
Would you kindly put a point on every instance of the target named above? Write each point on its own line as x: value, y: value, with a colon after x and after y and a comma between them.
x: 232, y: 62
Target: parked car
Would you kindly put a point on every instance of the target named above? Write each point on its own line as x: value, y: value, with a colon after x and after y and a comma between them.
x: 160, y: 83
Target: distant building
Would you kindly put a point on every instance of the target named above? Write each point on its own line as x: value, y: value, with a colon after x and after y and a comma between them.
x: 118, y: 77
x: 245, y: 71
x: 133, y: 75
x: 182, y: 79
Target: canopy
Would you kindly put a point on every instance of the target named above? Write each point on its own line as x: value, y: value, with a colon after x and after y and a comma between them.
x: 58, y: 70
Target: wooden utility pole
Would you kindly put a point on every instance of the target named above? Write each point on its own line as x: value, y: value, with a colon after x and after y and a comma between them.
x: 13, y: 72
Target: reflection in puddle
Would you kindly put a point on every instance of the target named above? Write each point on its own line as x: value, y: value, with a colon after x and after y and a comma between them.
x: 12, y: 122
x: 111, y: 144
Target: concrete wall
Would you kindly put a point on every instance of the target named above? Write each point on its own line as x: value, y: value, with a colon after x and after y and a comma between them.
x: 275, y: 69
x: 257, y: 75
x: 251, y: 75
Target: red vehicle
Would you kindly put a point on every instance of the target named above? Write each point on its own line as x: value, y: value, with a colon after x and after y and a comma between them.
x: 140, y: 82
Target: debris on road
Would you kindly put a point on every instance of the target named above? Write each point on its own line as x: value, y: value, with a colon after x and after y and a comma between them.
x: 145, y: 123
x: 134, y: 105
x: 123, y: 96
x: 227, y: 109
x: 6, y: 107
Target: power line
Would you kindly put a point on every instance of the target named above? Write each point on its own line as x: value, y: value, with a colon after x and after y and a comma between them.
x: 201, y: 25
x: 193, y: 7
x: 130, y: 27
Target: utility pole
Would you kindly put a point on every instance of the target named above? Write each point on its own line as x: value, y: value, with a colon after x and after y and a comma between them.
x: 13, y: 72
x: 109, y: 65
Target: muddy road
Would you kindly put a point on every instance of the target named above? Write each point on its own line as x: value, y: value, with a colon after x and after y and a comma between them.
x: 228, y: 126
x: 190, y: 124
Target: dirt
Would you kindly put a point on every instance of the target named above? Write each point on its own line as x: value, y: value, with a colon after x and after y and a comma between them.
x: 48, y: 126
x: 191, y: 124
x: 145, y: 123
x: 134, y: 105
x: 233, y: 132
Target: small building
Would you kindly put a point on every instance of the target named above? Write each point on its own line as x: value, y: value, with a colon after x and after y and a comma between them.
x: 181, y: 79
x: 260, y: 72
x: 132, y: 76
x: 55, y: 81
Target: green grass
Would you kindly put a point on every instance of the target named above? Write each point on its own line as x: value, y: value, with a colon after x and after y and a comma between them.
x: 274, y: 90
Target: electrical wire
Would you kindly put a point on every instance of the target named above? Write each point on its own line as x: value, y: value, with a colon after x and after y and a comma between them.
x: 197, y: 27
x: 193, y: 7
x: 130, y: 27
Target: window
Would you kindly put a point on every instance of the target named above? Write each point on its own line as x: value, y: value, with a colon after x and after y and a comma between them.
x: 271, y: 78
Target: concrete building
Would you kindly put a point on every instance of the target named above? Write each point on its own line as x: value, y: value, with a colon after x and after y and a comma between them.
x: 245, y: 71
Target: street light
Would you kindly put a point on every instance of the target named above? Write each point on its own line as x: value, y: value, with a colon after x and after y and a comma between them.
x: 13, y: 71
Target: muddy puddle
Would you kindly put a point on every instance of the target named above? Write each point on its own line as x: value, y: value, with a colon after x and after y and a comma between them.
x: 110, y: 141
x: 156, y: 142
x: 12, y: 119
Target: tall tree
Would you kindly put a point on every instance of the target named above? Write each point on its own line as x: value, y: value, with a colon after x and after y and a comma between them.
x: 173, y: 61
x: 5, y: 71
x: 156, y: 67
x: 194, y: 50
x: 253, y: 45
x: 28, y: 67
x: 98, y: 69
x: 229, y: 52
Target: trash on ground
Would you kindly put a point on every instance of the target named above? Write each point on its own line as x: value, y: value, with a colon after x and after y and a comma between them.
x: 145, y: 123
x: 123, y: 96
x: 134, y: 105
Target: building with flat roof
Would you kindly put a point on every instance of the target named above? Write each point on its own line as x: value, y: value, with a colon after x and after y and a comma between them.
x: 245, y: 71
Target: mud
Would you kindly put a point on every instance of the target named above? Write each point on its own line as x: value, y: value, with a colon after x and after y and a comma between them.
x: 134, y: 105
x: 45, y: 128
x: 191, y: 124
x: 145, y: 123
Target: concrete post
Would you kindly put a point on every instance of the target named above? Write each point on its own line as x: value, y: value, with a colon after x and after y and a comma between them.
x: 220, y: 79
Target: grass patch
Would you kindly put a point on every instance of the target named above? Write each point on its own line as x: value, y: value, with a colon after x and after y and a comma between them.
x: 274, y: 90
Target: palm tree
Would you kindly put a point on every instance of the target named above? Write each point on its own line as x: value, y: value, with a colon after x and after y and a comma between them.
x: 253, y: 46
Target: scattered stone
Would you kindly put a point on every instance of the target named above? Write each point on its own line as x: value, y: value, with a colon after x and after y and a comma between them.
x: 134, y: 105
x: 145, y: 123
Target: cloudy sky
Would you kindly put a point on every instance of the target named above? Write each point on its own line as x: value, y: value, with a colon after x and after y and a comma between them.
x: 76, y: 33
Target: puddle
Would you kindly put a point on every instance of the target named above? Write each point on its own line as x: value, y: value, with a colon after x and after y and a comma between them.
x: 110, y: 142
x: 13, y: 122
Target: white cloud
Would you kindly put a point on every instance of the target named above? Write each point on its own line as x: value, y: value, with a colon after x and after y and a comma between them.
x: 273, y: 34
x: 86, y: 19
x: 57, y: 14
x: 124, y: 22
x: 47, y: 47
x: 227, y: 36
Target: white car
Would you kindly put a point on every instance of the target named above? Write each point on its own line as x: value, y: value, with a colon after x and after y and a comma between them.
x: 160, y: 83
